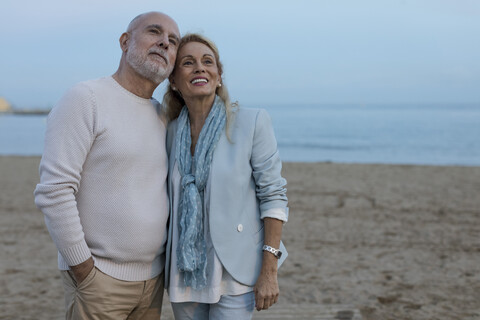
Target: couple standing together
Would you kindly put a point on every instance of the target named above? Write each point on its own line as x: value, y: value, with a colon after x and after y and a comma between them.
x: 139, y: 196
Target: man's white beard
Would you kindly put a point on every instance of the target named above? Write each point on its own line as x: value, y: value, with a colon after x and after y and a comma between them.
x: 151, y: 70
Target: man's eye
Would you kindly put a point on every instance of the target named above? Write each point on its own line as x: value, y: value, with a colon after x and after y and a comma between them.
x: 173, y: 42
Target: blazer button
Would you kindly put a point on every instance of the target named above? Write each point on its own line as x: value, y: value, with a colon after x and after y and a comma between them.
x: 240, y: 228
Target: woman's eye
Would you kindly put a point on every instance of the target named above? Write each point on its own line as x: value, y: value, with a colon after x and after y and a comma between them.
x: 187, y: 63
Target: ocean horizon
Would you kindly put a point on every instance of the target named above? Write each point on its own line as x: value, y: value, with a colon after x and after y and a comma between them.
x: 433, y: 134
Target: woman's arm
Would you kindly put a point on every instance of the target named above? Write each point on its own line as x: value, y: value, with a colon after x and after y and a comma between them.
x: 271, y: 191
x: 266, y: 289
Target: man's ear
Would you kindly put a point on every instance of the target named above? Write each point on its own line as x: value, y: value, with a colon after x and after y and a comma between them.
x: 124, y: 38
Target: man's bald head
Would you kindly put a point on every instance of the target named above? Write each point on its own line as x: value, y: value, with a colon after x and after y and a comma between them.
x: 137, y: 21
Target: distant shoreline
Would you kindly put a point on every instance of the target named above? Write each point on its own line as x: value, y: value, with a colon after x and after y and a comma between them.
x: 310, y: 163
x: 40, y: 112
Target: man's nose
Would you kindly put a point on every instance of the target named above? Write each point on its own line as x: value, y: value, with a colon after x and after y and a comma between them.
x: 163, y: 41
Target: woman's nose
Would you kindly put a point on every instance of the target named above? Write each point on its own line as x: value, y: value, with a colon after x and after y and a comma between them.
x: 199, y: 68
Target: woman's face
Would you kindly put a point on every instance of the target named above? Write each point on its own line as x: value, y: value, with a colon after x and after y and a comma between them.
x: 196, y: 72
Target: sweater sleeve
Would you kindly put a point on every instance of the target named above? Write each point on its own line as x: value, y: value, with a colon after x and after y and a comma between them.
x: 70, y: 133
x: 267, y: 167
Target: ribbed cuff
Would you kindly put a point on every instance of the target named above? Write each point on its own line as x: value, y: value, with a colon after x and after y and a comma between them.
x: 77, y: 254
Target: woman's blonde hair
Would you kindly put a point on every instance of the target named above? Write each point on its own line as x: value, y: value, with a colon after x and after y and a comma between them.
x: 174, y: 101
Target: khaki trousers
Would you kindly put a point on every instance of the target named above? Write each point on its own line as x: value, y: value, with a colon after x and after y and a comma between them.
x: 101, y: 297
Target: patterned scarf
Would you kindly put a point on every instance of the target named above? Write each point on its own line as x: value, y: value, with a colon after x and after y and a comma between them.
x: 191, y: 251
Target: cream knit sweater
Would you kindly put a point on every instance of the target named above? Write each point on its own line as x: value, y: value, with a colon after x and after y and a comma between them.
x: 103, y: 184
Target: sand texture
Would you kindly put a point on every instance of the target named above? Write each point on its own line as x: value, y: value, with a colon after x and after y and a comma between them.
x: 394, y: 242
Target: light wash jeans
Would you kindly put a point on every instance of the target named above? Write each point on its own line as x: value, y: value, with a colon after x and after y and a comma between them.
x: 229, y: 307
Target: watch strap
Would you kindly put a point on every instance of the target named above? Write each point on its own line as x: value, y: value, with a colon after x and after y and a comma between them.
x: 276, y: 252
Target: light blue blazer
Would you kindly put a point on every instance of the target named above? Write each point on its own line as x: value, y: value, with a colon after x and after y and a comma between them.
x: 245, y: 182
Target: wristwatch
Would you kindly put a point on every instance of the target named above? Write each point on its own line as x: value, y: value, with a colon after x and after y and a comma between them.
x: 277, y: 253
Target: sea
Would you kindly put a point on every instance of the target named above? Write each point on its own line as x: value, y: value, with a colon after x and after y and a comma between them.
x: 435, y: 134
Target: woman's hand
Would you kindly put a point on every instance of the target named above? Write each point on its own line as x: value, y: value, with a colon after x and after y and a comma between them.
x: 266, y: 289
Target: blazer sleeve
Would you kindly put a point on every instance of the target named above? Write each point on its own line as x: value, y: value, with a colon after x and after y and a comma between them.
x: 267, y: 166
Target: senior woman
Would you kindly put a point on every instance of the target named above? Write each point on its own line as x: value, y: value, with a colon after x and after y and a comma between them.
x: 227, y: 195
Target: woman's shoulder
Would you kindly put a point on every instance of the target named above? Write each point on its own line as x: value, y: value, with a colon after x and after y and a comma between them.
x: 172, y: 123
x: 250, y: 113
x: 171, y: 130
x: 248, y: 110
x: 252, y: 116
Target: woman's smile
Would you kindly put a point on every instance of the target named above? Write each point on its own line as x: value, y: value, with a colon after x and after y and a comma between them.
x: 199, y: 81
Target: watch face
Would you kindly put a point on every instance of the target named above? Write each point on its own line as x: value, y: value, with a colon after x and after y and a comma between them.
x: 279, y: 254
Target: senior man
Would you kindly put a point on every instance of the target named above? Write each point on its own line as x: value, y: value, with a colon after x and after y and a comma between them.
x: 103, y: 180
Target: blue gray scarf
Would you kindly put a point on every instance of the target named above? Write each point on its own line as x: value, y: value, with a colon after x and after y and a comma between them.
x: 191, y: 251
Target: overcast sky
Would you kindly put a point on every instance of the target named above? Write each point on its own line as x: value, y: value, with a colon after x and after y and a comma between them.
x: 274, y: 52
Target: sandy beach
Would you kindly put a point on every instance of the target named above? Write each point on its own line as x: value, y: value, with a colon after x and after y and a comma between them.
x: 395, y: 242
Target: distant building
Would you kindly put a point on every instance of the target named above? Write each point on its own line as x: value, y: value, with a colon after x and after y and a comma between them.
x: 4, y: 105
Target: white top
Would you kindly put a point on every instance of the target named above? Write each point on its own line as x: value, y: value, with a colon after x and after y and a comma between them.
x: 219, y: 281
x: 103, y: 187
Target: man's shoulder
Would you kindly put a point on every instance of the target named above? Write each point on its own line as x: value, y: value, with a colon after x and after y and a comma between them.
x: 80, y: 96
x: 87, y: 87
x: 94, y: 84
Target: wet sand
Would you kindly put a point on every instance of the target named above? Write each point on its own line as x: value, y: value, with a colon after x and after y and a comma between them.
x: 395, y: 242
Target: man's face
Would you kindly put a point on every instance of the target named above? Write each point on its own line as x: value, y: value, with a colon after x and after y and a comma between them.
x: 152, y: 46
